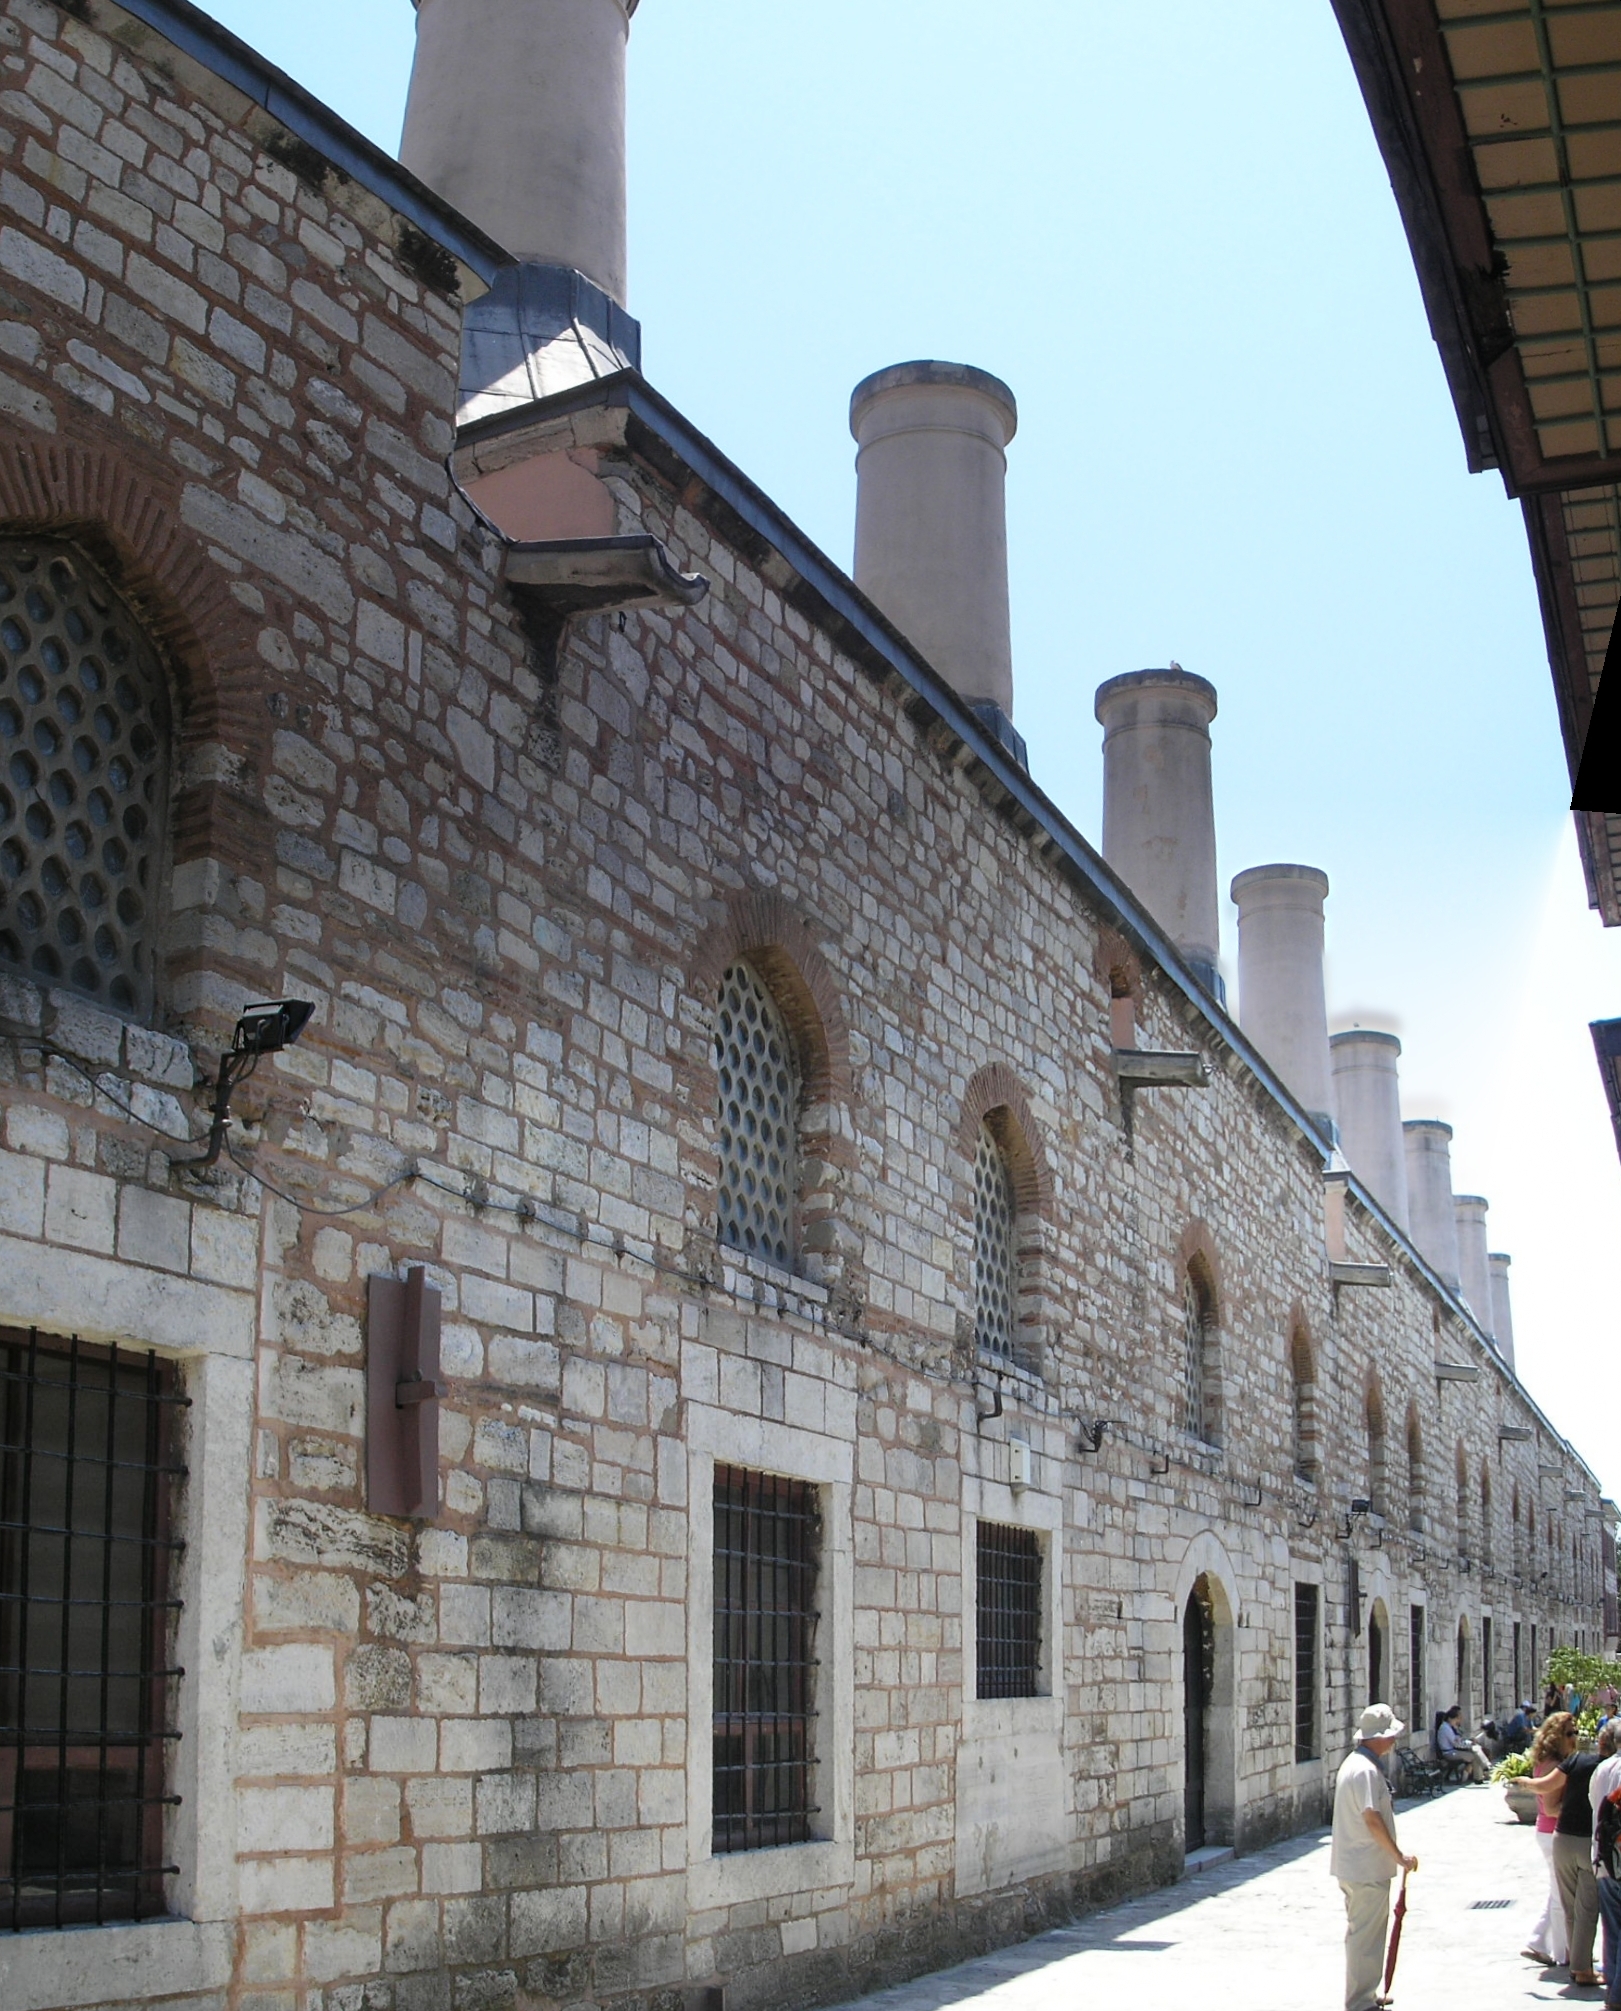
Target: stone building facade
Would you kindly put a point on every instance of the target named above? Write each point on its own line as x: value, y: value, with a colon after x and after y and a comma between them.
x: 1191, y: 1440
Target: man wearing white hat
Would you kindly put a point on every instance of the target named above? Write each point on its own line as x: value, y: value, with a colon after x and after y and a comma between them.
x: 1365, y: 1856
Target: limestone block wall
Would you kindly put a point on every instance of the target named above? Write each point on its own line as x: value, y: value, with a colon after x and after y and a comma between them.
x: 466, y: 1760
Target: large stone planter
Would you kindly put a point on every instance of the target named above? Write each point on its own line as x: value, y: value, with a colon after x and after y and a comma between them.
x: 1521, y: 1800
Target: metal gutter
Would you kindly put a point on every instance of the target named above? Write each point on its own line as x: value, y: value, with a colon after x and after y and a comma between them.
x: 200, y: 37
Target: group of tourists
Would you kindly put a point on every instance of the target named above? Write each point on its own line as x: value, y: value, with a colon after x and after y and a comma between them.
x: 1578, y: 1830
x: 1571, y: 1788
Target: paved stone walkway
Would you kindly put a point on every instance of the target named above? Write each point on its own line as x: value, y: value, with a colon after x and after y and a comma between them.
x: 1265, y: 1933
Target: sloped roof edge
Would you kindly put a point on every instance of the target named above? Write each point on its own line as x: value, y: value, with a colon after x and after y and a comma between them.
x: 304, y: 118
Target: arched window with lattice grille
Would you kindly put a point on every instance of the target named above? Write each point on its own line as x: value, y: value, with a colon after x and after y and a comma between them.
x: 1303, y: 1406
x: 759, y: 1120
x: 84, y: 731
x: 995, y: 1254
x: 1200, y: 1408
x: 1416, y: 1482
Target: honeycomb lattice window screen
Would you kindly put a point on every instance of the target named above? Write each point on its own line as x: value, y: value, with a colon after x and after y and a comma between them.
x: 759, y: 1120
x: 994, y: 1267
x: 1194, y: 1324
x: 83, y: 739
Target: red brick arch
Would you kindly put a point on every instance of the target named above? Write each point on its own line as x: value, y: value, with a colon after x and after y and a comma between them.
x: 777, y: 940
x: 1196, y: 1252
x: 996, y: 1093
x: 104, y: 500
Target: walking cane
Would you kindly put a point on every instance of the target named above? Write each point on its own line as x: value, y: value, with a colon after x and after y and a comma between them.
x: 1395, y: 1933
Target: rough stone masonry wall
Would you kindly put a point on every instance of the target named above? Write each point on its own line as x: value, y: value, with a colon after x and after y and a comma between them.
x: 458, y: 1754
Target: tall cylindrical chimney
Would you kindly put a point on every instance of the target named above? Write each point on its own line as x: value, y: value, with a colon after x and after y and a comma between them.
x: 1431, y: 1221
x: 1281, y: 1004
x: 1367, y: 1103
x: 1502, y: 1312
x: 1159, y: 818
x: 1474, y: 1266
x: 517, y: 116
x: 931, y: 517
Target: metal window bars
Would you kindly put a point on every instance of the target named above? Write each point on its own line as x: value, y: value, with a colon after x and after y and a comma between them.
x: 759, y: 1120
x: 85, y: 1617
x: 1007, y: 1612
x: 767, y: 1547
x: 995, y: 1269
x: 1194, y: 1326
x: 1305, y: 1673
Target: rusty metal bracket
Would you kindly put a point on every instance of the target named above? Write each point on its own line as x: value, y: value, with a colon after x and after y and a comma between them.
x: 403, y: 1388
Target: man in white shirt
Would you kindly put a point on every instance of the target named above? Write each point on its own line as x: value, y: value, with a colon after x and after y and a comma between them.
x: 1605, y: 1781
x: 1365, y: 1856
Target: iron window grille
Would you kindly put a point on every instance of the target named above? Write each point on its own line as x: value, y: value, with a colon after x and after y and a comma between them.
x: 83, y: 741
x: 1305, y: 1673
x: 86, y: 1687
x: 767, y: 1548
x: 1194, y: 1326
x: 759, y: 1120
x: 994, y: 1266
x: 1007, y: 1612
x: 1415, y: 1665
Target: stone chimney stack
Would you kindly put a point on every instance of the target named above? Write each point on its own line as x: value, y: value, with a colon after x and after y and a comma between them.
x: 1367, y: 1103
x: 1502, y: 1313
x: 1159, y: 817
x: 1431, y: 1221
x: 931, y: 522
x: 517, y: 116
x: 1474, y: 1265
x: 1281, y: 1003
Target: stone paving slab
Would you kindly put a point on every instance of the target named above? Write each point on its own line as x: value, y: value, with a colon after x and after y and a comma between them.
x: 1265, y: 1933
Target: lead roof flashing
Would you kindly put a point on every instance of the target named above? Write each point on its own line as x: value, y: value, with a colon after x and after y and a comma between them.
x: 304, y: 119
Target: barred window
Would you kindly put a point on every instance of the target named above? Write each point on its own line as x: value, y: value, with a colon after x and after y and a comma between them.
x: 1305, y: 1673
x: 1195, y: 1321
x: 85, y: 1612
x: 994, y: 1263
x: 767, y: 1548
x: 83, y: 736
x: 1007, y: 1612
x: 759, y: 1120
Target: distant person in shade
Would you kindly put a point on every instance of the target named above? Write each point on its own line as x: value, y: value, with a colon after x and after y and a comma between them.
x: 1365, y: 1856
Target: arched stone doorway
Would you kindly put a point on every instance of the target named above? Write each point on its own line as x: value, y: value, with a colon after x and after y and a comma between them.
x: 1378, y: 1653
x: 1209, y: 1729
x: 1198, y: 1685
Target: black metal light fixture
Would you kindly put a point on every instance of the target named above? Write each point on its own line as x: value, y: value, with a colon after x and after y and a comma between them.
x: 263, y: 1029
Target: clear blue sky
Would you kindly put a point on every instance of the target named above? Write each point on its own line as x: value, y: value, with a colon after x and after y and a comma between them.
x: 1169, y: 230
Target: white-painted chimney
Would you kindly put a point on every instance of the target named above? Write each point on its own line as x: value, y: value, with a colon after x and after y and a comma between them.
x: 931, y: 519
x: 1281, y: 1003
x: 1474, y: 1266
x: 1431, y: 1221
x: 1367, y: 1104
x: 517, y: 116
x: 1159, y: 818
x: 1502, y: 1312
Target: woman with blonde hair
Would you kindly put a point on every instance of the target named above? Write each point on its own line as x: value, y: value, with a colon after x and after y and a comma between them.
x: 1549, y: 1945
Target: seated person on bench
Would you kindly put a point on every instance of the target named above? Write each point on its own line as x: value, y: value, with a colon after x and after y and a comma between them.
x: 1455, y: 1750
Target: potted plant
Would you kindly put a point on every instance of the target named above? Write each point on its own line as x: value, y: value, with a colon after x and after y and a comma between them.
x: 1511, y: 1772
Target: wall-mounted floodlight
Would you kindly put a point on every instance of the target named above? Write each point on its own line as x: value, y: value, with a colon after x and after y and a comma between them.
x: 267, y: 1028
x: 1575, y: 1494
x: 1546, y: 1472
x: 263, y: 1029
x: 1456, y: 1372
x: 1516, y: 1434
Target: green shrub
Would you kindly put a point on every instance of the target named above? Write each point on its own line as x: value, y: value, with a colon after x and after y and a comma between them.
x: 1512, y: 1767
